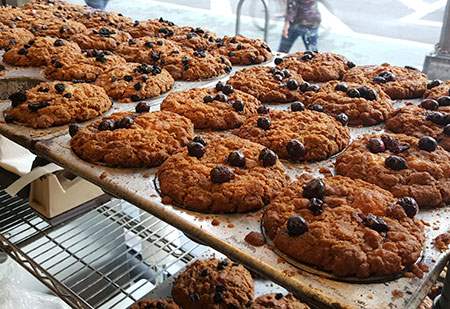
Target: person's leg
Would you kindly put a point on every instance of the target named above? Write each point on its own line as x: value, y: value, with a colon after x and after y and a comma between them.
x: 310, y: 38
x: 97, y: 4
x: 286, y: 43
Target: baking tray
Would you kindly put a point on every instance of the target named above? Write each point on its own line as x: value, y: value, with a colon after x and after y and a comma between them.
x: 137, y: 187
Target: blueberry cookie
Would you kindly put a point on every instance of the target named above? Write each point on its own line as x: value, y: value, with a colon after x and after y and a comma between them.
x: 364, y: 105
x: 403, y: 165
x: 297, y: 135
x: 316, y: 67
x: 131, y: 82
x: 128, y: 139
x: 12, y: 36
x: 57, y: 103
x: 269, y: 85
x: 151, y: 28
x: 213, y: 284
x: 277, y: 301
x: 419, y: 121
x: 182, y: 63
x: 104, y: 38
x: 58, y: 8
x: 398, y: 82
x: 221, y: 174
x: 82, y: 67
x: 55, y: 28
x: 195, y: 38
x: 39, y: 51
x: 241, y: 50
x: 347, y: 227
x: 437, y: 89
x: 218, y: 108
x: 155, y: 304
x: 97, y: 19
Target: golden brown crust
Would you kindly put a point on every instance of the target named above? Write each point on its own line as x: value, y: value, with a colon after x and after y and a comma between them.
x: 261, y: 82
x: 216, y: 115
x: 148, y: 142
x: 134, y: 82
x: 55, y: 28
x: 412, y: 120
x: 97, y: 19
x: 337, y: 240
x: 103, y: 38
x: 76, y: 103
x: 322, y: 67
x: 426, y: 178
x: 322, y: 135
x: 360, y: 111
x: 277, y: 301
x: 408, y: 83
x: 12, y: 36
x: 82, y: 67
x: 39, y: 53
x: 58, y: 8
x: 150, y: 28
x: 155, y: 304
x: 213, y: 284
x: 241, y: 50
x: 186, y: 179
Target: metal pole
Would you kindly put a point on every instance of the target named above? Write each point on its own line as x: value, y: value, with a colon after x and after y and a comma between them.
x: 444, y: 42
x: 266, y: 17
x: 443, y: 301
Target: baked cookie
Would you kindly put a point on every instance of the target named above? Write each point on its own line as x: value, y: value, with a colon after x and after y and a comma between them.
x: 218, y: 108
x: 82, y: 67
x: 403, y: 165
x: 278, y: 301
x: 398, y: 82
x: 97, y: 19
x: 314, y: 66
x: 131, y: 82
x: 417, y: 121
x: 128, y: 139
x: 220, y: 173
x: 298, y: 136
x: 347, y: 227
x: 151, y: 28
x: 55, y: 28
x: 213, y: 284
x: 195, y: 38
x: 269, y: 85
x: 57, y: 103
x: 241, y: 50
x: 104, y: 38
x: 9, y: 16
x: 12, y: 36
x: 437, y: 89
x: 364, y: 105
x: 39, y: 51
x: 182, y: 63
x: 155, y: 304
x: 60, y: 9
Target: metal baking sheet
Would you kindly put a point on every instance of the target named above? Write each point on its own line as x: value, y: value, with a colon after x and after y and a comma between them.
x: 137, y: 186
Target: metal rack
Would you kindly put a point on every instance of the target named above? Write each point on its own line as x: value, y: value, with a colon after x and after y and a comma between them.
x: 108, y: 257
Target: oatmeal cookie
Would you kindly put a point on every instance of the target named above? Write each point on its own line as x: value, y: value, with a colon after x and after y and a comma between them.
x: 128, y: 139
x: 82, y: 67
x: 221, y: 174
x: 155, y: 304
x: 241, y: 50
x: 9, y: 16
x: 316, y: 67
x: 195, y: 38
x: 347, y: 227
x: 39, y: 51
x: 96, y: 19
x: 298, y: 136
x: 269, y: 85
x: 437, y: 89
x: 417, y: 121
x: 12, y: 36
x: 218, y: 108
x: 57, y: 103
x: 55, y: 28
x: 213, y: 284
x: 364, y: 105
x: 151, y: 28
x: 277, y: 301
x: 131, y: 82
x: 60, y: 9
x: 403, y: 165
x: 398, y: 82
x: 104, y: 38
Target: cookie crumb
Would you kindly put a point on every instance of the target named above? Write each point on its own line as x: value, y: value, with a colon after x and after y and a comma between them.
x: 397, y: 294
x: 255, y: 239
x: 215, y: 222
x: 166, y: 200
x: 325, y: 171
x: 230, y: 225
x: 103, y: 175
x: 442, y: 241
